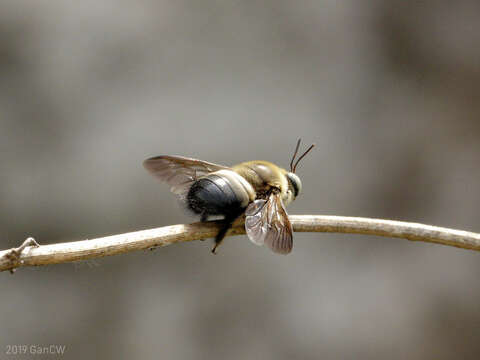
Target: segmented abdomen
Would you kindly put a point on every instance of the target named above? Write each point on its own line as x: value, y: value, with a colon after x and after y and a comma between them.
x: 218, y: 193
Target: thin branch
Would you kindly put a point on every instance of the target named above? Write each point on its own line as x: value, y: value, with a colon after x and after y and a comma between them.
x: 140, y: 240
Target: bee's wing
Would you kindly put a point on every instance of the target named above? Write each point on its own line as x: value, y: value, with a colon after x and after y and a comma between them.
x: 266, y: 222
x: 179, y: 172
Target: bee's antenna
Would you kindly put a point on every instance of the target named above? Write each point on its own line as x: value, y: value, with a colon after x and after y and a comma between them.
x: 294, y: 154
x: 301, y: 157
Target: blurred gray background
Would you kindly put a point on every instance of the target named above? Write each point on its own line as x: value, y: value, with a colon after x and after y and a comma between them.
x: 388, y: 90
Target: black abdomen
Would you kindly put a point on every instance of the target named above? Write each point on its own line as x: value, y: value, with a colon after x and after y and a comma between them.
x: 212, y: 195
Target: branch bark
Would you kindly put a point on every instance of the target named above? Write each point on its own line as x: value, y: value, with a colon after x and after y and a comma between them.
x: 118, y: 244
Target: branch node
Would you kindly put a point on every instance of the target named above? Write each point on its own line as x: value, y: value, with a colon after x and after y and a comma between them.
x: 14, y: 254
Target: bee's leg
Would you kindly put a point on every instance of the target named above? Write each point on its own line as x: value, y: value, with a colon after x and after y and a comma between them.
x: 227, y: 224
x: 220, y: 236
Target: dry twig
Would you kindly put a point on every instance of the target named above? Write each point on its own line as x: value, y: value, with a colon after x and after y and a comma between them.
x: 27, y: 255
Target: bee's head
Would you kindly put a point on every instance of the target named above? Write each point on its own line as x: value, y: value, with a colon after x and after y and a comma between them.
x: 293, y: 180
x: 294, y: 183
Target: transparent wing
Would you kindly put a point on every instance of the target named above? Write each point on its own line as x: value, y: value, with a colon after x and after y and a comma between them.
x: 179, y: 172
x: 266, y: 222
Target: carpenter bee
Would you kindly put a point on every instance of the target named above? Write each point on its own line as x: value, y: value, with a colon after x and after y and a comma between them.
x: 259, y: 189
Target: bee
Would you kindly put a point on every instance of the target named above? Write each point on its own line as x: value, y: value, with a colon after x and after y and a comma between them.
x: 258, y: 189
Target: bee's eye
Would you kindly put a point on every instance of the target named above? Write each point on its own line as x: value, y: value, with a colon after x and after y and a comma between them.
x: 294, y: 180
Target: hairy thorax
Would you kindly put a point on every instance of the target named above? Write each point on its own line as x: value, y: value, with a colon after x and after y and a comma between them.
x: 264, y: 177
